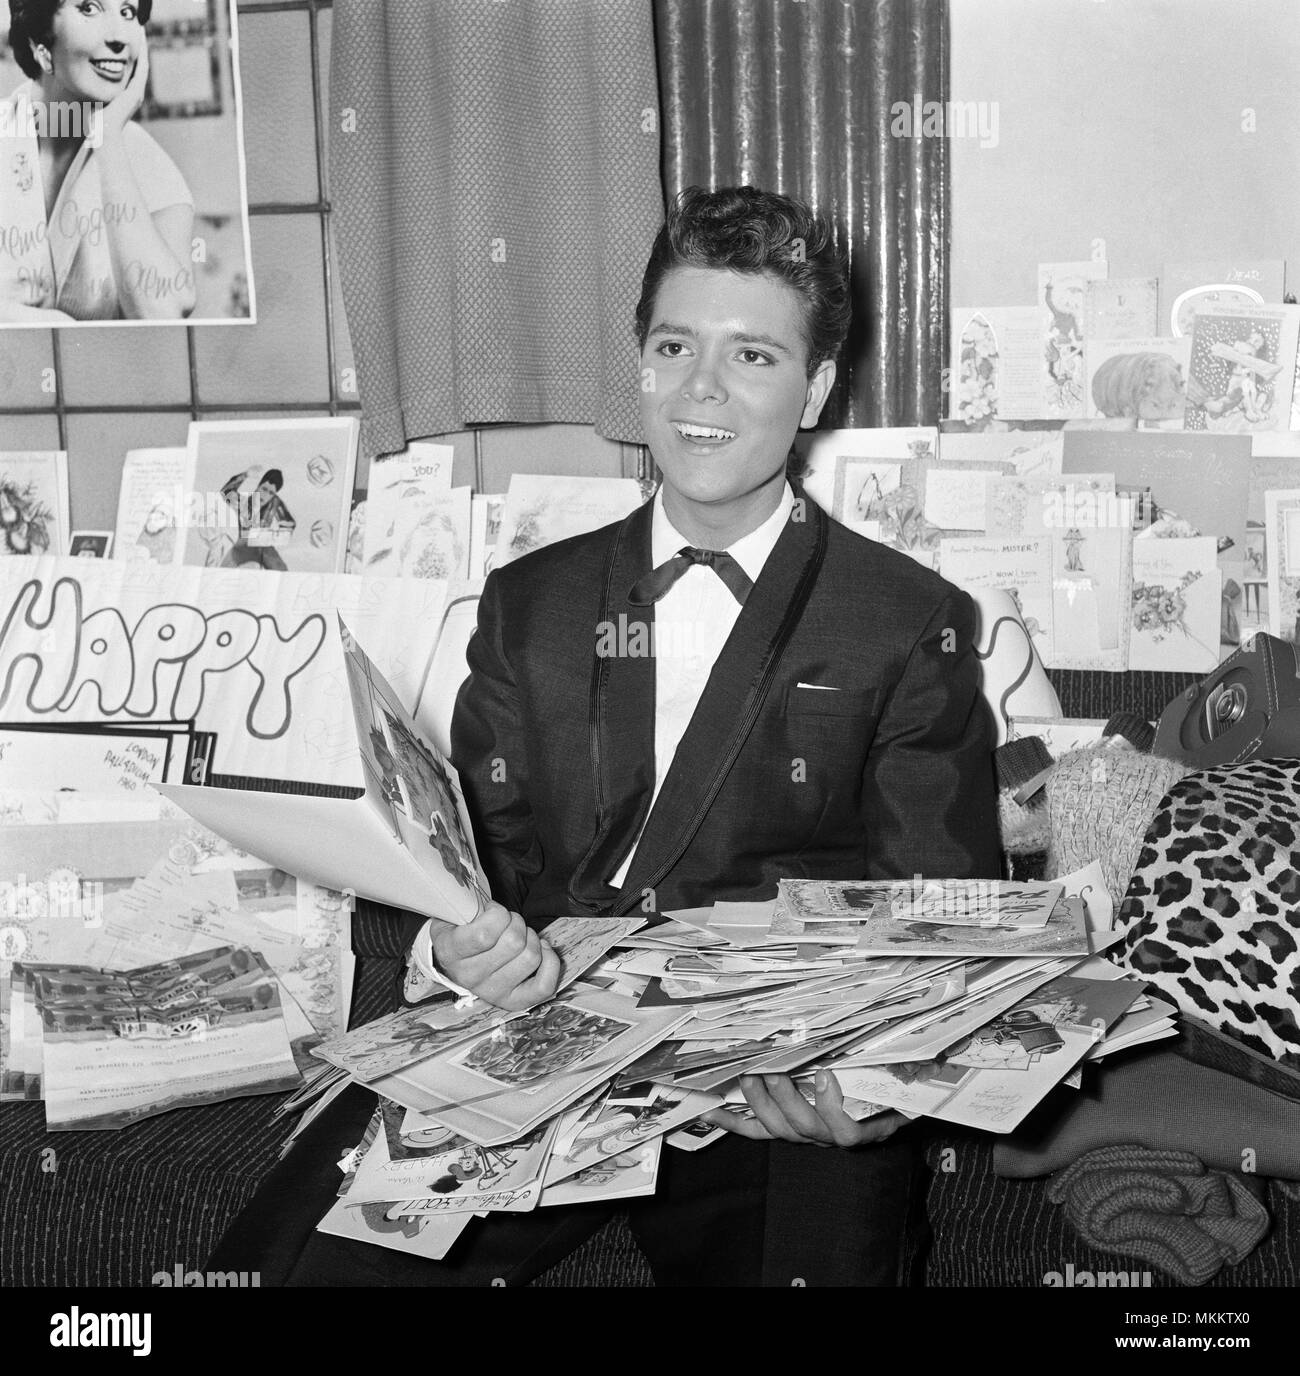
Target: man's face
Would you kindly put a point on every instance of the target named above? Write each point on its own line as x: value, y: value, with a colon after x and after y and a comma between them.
x: 730, y: 385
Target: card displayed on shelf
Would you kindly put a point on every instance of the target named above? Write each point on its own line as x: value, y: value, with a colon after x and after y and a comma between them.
x: 155, y: 504
x: 1177, y: 602
x: 957, y: 498
x: 1120, y: 308
x: 431, y: 538
x: 107, y: 890
x: 1243, y: 367
x: 1282, y: 526
x: 119, y: 1046
x: 541, y: 509
x: 34, y: 512
x: 1061, y: 291
x: 849, y: 473
x: 1046, y: 505
x: 889, y: 486
x: 90, y: 544
x: 1033, y: 449
x: 997, y: 363
x: 281, y: 493
x: 1274, y: 466
x: 484, y: 528
x: 420, y: 475
x: 1237, y: 283
x: 862, y: 487
x: 103, y: 757
x: 1142, y: 378
x: 1198, y: 479
x: 1092, y: 575
x: 1021, y: 566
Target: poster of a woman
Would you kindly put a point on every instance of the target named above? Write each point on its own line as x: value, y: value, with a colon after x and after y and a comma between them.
x: 99, y: 216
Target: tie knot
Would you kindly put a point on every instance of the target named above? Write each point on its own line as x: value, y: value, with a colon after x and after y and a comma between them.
x: 658, y: 581
x: 701, y: 556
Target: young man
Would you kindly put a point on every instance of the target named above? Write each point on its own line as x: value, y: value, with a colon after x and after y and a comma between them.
x: 812, y: 709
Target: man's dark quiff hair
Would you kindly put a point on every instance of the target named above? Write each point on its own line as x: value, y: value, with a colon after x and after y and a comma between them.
x: 743, y: 229
x: 32, y: 21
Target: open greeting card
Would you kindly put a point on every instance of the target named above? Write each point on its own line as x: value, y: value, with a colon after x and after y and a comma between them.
x: 401, y: 836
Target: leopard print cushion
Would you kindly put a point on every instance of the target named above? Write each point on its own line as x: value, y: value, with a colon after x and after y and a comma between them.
x: 1212, y: 914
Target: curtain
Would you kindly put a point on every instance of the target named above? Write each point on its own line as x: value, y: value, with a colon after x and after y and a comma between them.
x: 495, y: 178
x: 802, y: 98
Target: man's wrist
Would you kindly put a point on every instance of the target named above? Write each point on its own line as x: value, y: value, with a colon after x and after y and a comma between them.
x: 423, y: 978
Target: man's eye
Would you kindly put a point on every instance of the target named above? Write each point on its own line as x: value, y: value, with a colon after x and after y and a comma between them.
x: 671, y: 348
x: 755, y: 356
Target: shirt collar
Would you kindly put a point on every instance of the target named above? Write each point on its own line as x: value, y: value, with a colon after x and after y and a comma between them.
x: 750, y: 551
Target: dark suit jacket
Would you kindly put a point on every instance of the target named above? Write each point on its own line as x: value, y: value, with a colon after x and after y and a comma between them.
x: 889, y: 777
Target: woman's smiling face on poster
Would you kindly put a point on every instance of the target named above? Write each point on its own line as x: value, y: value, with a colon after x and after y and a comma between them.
x: 94, y: 46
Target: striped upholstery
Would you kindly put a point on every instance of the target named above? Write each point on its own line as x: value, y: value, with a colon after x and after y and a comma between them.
x: 994, y: 1232
x: 1102, y: 695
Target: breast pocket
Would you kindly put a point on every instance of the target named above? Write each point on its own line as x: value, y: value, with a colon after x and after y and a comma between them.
x: 826, y: 702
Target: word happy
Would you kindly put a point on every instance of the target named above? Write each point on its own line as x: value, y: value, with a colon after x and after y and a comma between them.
x: 129, y: 670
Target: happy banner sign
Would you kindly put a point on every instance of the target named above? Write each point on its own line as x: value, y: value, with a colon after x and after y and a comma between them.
x: 253, y: 657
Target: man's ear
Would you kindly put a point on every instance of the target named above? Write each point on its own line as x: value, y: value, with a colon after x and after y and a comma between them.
x: 819, y: 388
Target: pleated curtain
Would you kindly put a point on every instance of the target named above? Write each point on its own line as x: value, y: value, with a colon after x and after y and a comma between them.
x: 495, y: 177
x: 801, y: 98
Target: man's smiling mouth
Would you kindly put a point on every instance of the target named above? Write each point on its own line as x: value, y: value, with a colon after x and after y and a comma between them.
x: 702, y: 433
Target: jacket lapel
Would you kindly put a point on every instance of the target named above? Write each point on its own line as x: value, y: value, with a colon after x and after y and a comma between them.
x: 621, y: 716
x: 732, y: 698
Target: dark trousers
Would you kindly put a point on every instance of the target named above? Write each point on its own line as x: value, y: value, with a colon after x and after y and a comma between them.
x: 737, y: 1213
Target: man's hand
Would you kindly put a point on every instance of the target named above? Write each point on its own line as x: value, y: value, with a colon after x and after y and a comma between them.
x: 782, y: 1112
x: 497, y: 958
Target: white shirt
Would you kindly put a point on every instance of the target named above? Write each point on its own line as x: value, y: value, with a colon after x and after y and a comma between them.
x: 692, y: 622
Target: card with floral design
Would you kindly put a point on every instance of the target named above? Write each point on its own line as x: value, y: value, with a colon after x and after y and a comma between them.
x: 1177, y: 589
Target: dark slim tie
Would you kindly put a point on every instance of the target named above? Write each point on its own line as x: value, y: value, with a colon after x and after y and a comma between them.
x: 657, y: 582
